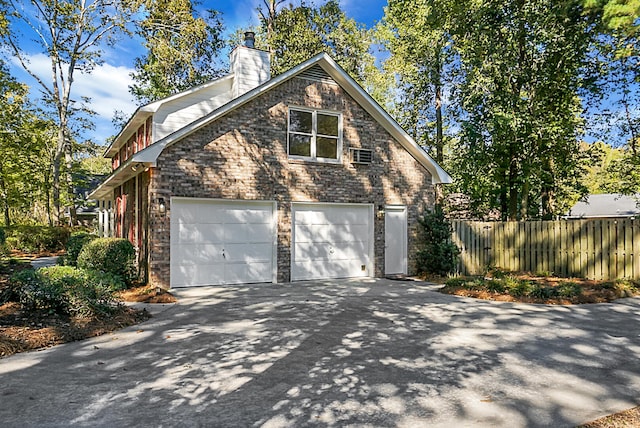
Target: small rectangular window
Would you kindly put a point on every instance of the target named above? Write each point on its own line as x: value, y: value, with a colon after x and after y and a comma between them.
x: 314, y: 135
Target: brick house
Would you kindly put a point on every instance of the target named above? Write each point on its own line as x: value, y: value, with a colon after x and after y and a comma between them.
x: 251, y: 179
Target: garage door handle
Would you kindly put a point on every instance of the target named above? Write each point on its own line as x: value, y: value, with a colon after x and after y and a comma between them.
x: 224, y: 256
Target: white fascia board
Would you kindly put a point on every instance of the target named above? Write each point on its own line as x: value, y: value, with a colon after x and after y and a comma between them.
x: 123, y: 173
x: 143, y: 112
x: 151, y: 153
x: 439, y: 175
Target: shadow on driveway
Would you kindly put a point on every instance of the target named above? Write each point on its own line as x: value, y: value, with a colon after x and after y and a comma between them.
x: 361, y: 352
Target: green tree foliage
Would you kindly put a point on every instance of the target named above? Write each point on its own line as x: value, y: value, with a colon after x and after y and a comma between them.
x: 618, y: 49
x: 437, y: 254
x: 71, y: 35
x: 26, y: 147
x: 181, y: 48
x: 298, y: 33
x: 416, y: 33
x: 520, y: 110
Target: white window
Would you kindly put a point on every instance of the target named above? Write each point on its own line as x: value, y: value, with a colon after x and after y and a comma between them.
x: 315, y: 135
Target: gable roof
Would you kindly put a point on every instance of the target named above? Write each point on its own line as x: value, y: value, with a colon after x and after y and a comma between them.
x: 147, y: 110
x: 149, y: 156
x: 605, y: 205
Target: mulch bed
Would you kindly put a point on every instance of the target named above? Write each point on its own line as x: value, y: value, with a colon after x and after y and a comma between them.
x: 592, y: 291
x: 626, y: 419
x: 22, y: 330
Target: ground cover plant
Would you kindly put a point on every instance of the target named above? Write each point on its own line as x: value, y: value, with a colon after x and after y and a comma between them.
x: 539, y: 288
x: 60, y: 304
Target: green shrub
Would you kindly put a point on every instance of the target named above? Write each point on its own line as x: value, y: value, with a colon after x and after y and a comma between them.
x: 624, y: 287
x: 34, y: 239
x: 111, y: 255
x: 455, y: 282
x: 543, y: 292
x: 495, y: 286
x: 76, y: 241
x: 88, y: 293
x: 66, y: 290
x: 517, y: 287
x: 36, y: 293
x: 437, y: 254
x: 569, y: 289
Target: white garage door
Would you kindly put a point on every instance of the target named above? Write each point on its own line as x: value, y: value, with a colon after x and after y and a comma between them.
x: 219, y: 242
x: 331, y: 241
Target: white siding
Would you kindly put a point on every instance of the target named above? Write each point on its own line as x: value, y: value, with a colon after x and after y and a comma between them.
x: 178, y: 113
x: 250, y: 68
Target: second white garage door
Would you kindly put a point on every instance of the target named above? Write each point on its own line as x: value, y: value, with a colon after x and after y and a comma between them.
x: 331, y: 241
x: 221, y: 242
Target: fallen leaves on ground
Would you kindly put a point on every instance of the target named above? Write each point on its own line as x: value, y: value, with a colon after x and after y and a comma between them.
x: 147, y: 294
x: 22, y: 331
x: 626, y: 419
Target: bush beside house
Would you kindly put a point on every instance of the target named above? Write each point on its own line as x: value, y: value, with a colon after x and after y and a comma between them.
x: 109, y: 255
x: 437, y: 254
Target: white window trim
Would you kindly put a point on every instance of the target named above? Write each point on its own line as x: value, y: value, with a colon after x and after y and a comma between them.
x: 314, y: 134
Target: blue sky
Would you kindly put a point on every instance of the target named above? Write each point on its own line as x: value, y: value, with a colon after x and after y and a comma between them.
x: 107, y: 85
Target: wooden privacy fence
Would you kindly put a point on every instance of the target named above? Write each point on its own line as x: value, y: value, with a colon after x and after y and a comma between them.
x: 594, y: 249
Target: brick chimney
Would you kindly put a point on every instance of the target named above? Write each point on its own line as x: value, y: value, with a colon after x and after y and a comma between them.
x: 250, y: 67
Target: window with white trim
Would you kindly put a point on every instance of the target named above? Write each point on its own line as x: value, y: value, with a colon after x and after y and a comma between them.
x: 314, y: 135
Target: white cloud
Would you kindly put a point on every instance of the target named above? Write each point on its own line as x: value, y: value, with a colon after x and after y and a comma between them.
x: 106, y: 86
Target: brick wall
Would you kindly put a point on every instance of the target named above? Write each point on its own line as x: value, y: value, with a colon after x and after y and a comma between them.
x: 243, y: 155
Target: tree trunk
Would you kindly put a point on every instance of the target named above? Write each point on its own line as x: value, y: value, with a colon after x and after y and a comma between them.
x: 4, y: 194
x: 73, y: 217
x: 513, y: 189
x: 437, y: 82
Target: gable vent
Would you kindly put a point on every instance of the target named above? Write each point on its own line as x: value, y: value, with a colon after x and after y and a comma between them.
x: 315, y: 73
x: 363, y: 156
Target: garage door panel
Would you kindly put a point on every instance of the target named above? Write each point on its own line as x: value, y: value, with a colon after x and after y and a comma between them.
x: 247, y: 253
x: 196, y: 254
x: 245, y: 215
x: 349, y: 250
x: 219, y: 242
x: 331, y: 241
x: 307, y: 251
x: 198, y: 233
x: 243, y: 273
x: 194, y: 275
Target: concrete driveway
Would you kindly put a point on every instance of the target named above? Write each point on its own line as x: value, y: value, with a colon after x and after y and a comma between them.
x: 336, y: 353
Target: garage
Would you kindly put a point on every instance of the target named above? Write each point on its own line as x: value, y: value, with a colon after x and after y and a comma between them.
x: 331, y: 241
x: 221, y: 242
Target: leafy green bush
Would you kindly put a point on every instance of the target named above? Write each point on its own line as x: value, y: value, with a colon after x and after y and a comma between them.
x: 543, y: 291
x: 36, y: 293
x: 87, y: 292
x: 437, y: 254
x: 495, y: 286
x: 625, y: 287
x: 76, y: 241
x: 112, y: 255
x: 34, y: 239
x: 66, y: 290
x: 517, y: 287
x: 569, y: 289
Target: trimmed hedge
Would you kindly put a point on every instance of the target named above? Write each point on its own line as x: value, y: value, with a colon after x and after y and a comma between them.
x: 76, y: 241
x: 66, y: 290
x: 34, y: 239
x: 111, y: 255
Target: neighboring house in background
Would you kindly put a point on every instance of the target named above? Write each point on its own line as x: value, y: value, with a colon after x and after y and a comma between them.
x: 252, y: 179
x: 606, y: 205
